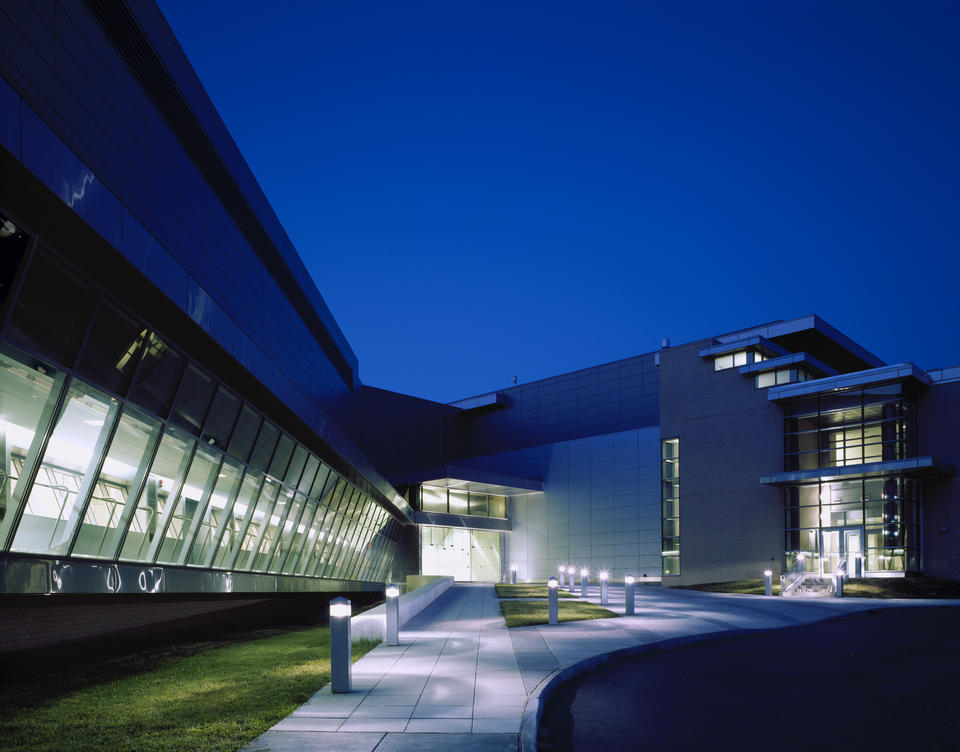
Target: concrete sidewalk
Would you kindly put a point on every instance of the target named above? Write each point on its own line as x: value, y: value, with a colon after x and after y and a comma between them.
x: 460, y: 680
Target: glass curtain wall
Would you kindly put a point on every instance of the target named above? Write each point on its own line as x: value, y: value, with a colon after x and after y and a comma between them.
x: 468, y: 555
x: 849, y: 428
x: 128, y: 451
x: 880, y: 516
x: 455, y: 501
x: 670, y: 501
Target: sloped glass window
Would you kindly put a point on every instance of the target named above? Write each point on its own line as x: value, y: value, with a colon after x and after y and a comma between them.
x: 156, y: 379
x: 113, y: 349
x: 193, y: 399
x: 193, y: 497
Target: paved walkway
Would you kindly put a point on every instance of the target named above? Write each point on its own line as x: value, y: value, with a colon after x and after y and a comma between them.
x: 460, y: 680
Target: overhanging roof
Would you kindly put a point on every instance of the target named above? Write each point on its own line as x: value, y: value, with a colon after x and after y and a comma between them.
x: 916, y: 466
x: 471, y: 479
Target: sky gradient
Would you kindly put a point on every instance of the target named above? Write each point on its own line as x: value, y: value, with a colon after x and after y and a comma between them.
x: 483, y: 190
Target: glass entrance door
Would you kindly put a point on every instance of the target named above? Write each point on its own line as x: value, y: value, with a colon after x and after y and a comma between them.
x: 837, y: 544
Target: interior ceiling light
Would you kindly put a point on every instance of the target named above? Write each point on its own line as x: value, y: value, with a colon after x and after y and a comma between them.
x: 8, y: 229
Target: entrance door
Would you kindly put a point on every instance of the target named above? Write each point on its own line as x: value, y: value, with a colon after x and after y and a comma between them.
x: 836, y: 544
x: 851, y: 549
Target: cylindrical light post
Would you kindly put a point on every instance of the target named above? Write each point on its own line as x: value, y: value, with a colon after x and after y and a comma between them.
x: 563, y: 571
x: 584, y: 573
x: 513, y: 574
x: 767, y: 582
x: 838, y: 584
x: 552, y: 599
x: 603, y: 586
x: 572, y: 579
x: 628, y: 603
x: 393, y: 614
x: 340, y: 647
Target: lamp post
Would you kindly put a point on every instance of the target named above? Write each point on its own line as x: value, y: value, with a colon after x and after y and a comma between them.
x: 767, y: 582
x: 572, y: 579
x: 584, y: 573
x: 552, y: 600
x: 393, y: 614
x: 628, y: 604
x: 563, y: 571
x: 604, y: 574
x: 340, y: 648
x: 513, y: 574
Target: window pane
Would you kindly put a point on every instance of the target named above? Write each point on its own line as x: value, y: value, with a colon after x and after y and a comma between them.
x: 291, y: 533
x: 193, y: 399
x: 433, y: 499
x: 223, y: 414
x: 235, y: 520
x: 24, y: 391
x: 257, y: 525
x: 157, y: 377
x: 309, y: 473
x: 107, y: 514
x: 53, y: 310
x: 220, y: 505
x: 113, y: 349
x: 169, y: 467
x: 53, y: 508
x: 272, y: 530
x: 479, y: 504
x: 458, y: 502
x: 200, y: 479
x: 266, y: 443
x: 498, y: 506
x: 244, y: 435
x: 295, y: 470
x: 281, y: 457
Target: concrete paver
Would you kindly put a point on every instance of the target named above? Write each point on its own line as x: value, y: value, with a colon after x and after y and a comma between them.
x: 461, y: 680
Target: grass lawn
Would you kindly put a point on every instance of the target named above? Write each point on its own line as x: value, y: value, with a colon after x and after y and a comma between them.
x: 214, y: 699
x: 531, y: 590
x: 527, y: 613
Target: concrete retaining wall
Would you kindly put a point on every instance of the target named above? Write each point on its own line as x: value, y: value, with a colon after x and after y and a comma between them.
x: 372, y: 624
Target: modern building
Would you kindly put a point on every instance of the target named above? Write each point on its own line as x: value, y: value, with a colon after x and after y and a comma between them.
x: 183, y: 427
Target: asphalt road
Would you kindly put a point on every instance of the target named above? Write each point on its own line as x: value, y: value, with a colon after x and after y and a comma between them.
x: 884, y: 680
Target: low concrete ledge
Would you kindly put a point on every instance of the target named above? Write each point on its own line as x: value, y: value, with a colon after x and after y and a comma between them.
x: 372, y: 624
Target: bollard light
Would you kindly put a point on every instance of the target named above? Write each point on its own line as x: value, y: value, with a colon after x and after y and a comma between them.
x: 604, y: 575
x: 563, y: 571
x: 513, y: 574
x: 838, y: 585
x: 571, y: 580
x: 340, y: 647
x: 628, y: 600
x: 767, y: 582
x: 858, y: 566
x: 584, y: 573
x: 393, y: 614
x: 552, y: 600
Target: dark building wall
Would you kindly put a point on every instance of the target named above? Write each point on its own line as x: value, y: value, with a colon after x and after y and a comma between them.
x: 601, y: 400
x: 402, y: 434
x: 731, y: 526
x: 938, y: 419
x: 78, y: 117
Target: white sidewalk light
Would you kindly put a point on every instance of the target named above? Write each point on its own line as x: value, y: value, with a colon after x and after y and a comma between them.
x: 340, y: 647
x: 584, y: 573
x: 628, y: 582
x: 552, y: 599
x: 572, y: 579
x: 604, y: 574
x: 393, y: 614
x: 767, y: 582
x: 513, y: 574
x: 838, y: 584
x: 858, y: 566
x: 563, y: 571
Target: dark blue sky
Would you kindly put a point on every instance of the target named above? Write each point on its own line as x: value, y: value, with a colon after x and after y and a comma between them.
x: 497, y: 188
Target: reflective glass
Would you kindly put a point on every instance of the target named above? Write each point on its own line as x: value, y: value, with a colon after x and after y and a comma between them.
x: 498, y: 506
x: 272, y: 528
x: 53, y: 309
x: 295, y: 469
x: 113, y: 348
x: 245, y: 433
x: 193, y: 496
x: 288, y: 533
x: 219, y: 507
x: 458, y: 502
x: 257, y: 524
x: 281, y: 457
x: 193, y: 399
x: 65, y: 476
x: 306, y: 535
x: 163, y: 483
x: 156, y: 379
x: 24, y: 391
x: 235, y: 521
x: 223, y: 414
x: 479, y: 504
x: 263, y: 449
x: 433, y: 499
x: 309, y: 473
x: 123, y: 470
